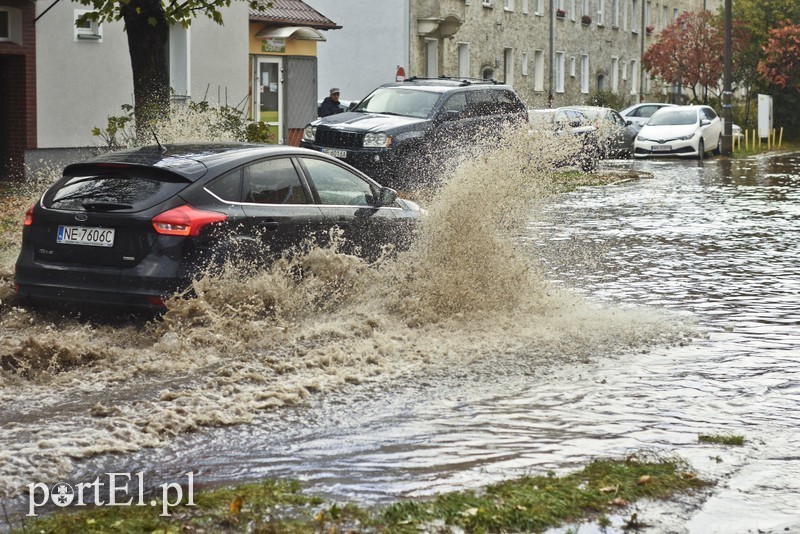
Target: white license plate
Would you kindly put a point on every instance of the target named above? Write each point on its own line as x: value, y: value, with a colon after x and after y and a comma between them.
x: 335, y: 152
x: 661, y: 148
x: 85, y: 235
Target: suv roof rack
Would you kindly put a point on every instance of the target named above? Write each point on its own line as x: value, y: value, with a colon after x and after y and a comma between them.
x: 462, y: 81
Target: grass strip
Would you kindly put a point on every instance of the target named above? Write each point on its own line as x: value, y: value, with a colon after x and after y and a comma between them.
x: 527, y: 504
x: 722, y: 439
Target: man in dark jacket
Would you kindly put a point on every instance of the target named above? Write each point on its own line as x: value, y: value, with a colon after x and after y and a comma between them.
x: 330, y: 106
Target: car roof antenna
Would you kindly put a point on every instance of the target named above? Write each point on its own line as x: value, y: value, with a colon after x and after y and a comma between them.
x: 160, y: 146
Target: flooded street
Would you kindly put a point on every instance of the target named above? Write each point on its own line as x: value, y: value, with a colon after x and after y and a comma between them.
x: 650, y: 312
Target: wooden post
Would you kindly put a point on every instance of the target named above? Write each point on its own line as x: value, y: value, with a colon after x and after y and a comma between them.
x: 780, y: 139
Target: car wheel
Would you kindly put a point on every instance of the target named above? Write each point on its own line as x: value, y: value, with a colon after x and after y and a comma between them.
x: 701, y: 150
x: 718, y: 150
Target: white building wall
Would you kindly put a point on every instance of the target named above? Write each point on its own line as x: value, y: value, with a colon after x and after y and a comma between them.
x: 367, y: 50
x: 221, y: 72
x: 81, y: 83
x: 78, y: 83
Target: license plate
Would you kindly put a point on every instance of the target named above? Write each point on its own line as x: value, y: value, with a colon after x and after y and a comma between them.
x: 661, y: 148
x: 335, y: 152
x: 85, y: 235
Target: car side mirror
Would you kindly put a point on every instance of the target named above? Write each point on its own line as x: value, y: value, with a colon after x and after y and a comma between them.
x: 352, y: 106
x: 385, y: 197
x: 629, y: 123
x: 705, y: 122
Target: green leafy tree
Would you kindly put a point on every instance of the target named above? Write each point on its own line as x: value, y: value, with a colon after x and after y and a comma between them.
x: 754, y: 19
x: 147, y: 24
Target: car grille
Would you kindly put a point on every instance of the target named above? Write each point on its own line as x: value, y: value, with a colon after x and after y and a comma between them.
x: 339, y: 139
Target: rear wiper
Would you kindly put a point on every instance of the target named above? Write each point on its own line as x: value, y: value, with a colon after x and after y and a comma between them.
x: 105, y: 206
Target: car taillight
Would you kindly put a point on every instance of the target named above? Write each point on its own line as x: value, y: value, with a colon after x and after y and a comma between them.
x: 29, y: 216
x: 185, y: 220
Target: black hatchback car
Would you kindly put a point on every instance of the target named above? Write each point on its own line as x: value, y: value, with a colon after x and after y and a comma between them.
x: 401, y: 132
x: 131, y: 227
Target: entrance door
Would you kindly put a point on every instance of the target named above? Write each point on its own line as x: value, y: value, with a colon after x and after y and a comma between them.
x: 267, y: 89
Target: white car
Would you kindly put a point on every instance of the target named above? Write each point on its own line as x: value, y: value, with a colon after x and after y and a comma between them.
x: 686, y: 131
x: 639, y: 114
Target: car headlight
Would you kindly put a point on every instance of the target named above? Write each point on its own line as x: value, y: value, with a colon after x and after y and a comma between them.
x: 686, y: 137
x: 645, y: 139
x: 310, y: 133
x: 377, y: 140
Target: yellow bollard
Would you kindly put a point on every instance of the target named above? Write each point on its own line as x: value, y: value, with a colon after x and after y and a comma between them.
x: 780, y: 139
x: 746, y: 139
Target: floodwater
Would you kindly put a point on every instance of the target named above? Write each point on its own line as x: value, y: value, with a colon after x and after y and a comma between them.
x: 650, y: 312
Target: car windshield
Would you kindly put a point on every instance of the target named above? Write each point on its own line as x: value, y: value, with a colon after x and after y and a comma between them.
x: 673, y: 118
x: 399, y: 101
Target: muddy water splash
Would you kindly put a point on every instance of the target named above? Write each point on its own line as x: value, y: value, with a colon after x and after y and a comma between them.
x: 248, y: 343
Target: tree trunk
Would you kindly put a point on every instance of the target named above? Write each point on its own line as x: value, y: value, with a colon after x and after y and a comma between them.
x: 148, y: 41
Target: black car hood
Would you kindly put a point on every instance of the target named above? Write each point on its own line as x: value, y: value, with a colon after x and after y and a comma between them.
x: 368, y: 122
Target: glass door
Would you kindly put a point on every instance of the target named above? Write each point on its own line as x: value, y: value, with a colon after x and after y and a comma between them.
x: 267, y: 88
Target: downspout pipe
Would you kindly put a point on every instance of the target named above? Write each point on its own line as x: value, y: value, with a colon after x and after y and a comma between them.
x: 550, y: 95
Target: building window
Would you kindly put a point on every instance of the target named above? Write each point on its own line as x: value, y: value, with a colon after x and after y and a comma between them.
x: 601, y: 8
x: 525, y: 7
x: 573, y: 10
x: 463, y: 60
x: 486, y: 3
x: 524, y: 63
x: 664, y: 17
x: 585, y: 73
x: 572, y: 67
x: 648, y: 19
x: 634, y: 77
x: 508, y: 5
x: 623, y: 68
x: 559, y: 72
x: 539, y: 7
x: 614, y: 74
x: 508, y: 66
x: 5, y: 31
x: 179, y: 62
x: 585, y: 8
x: 88, y: 30
x: 634, y: 9
x: 615, y: 13
x: 538, y: 70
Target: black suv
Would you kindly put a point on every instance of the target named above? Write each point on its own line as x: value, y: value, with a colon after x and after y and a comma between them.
x: 401, y: 133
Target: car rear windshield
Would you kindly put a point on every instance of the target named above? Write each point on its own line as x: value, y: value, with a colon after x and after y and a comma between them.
x: 673, y: 118
x: 118, y: 191
x: 400, y: 101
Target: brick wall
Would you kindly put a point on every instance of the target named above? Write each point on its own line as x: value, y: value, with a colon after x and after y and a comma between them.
x: 18, y: 93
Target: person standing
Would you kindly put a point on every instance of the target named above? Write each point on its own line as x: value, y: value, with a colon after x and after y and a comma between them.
x: 330, y: 106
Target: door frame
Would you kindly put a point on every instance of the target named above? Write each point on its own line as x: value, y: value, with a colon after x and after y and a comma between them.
x: 259, y: 60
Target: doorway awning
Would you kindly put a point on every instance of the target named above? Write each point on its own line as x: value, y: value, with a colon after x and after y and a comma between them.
x: 301, y: 33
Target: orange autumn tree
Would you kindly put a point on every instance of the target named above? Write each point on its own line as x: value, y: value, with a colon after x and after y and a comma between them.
x: 689, y: 53
x: 781, y: 62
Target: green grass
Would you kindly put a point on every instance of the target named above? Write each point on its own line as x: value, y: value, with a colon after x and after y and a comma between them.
x: 721, y: 439
x: 529, y: 504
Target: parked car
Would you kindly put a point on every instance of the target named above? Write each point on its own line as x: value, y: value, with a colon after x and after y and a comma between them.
x: 615, y: 135
x: 405, y: 129
x: 686, y: 131
x: 571, y: 122
x: 131, y: 227
x: 638, y: 114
